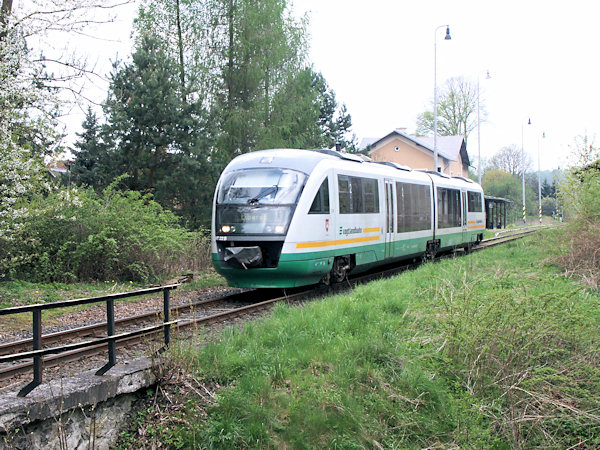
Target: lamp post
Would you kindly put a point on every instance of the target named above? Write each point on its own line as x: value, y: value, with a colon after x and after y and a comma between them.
x: 523, y: 167
x: 487, y: 77
x: 540, y: 179
x: 447, y: 38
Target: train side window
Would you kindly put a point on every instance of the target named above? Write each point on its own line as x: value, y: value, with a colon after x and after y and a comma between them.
x: 448, y: 208
x: 414, y: 207
x: 370, y: 195
x: 344, y: 195
x: 475, y: 203
x: 320, y: 204
x: 358, y: 195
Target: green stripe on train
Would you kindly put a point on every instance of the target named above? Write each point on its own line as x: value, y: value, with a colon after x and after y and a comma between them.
x: 301, y: 269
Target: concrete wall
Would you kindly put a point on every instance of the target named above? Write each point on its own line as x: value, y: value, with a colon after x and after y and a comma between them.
x: 80, y: 412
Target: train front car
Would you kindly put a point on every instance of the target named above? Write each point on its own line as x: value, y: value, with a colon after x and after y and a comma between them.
x: 254, y: 204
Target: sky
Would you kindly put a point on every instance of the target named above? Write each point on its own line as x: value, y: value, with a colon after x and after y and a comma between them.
x: 378, y: 56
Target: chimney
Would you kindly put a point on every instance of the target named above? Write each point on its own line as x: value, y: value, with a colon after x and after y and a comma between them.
x: 338, y: 147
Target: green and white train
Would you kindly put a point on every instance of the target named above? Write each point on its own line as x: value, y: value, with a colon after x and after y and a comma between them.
x: 286, y: 218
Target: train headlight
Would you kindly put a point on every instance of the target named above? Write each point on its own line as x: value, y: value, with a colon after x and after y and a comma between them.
x: 226, y: 229
x: 279, y: 229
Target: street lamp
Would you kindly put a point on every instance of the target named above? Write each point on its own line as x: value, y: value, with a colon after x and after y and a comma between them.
x: 447, y: 38
x: 487, y: 77
x: 540, y: 179
x: 523, y: 168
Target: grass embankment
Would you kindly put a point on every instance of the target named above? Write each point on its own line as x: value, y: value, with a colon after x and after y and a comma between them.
x: 494, y: 349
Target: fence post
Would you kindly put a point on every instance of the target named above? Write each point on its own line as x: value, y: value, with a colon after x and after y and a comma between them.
x: 166, y: 315
x: 37, y: 360
x: 112, y: 346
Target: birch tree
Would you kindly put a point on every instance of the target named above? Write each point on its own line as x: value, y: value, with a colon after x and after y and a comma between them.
x: 457, y: 110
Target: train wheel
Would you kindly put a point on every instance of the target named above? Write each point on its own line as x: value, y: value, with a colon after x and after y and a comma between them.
x: 430, y: 252
x: 340, y: 268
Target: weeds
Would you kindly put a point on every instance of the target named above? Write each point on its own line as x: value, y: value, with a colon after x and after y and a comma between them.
x: 493, y: 350
x: 581, y: 252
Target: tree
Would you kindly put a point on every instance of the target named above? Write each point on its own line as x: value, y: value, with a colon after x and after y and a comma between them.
x: 294, y: 116
x: 64, y: 71
x: 158, y: 138
x: 579, y: 191
x: 510, y: 159
x: 499, y: 183
x: 23, y: 127
x: 548, y: 190
x: 92, y: 165
x: 335, y: 122
x: 187, y: 30
x: 261, y: 49
x: 457, y: 110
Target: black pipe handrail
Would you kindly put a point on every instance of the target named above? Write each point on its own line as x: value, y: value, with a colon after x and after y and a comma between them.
x: 84, y: 301
x: 80, y: 345
x: 38, y: 353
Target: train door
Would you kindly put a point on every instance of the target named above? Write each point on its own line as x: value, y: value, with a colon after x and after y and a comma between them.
x: 389, y: 217
x: 464, y: 209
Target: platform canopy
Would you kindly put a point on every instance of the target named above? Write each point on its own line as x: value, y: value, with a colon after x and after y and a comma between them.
x: 496, y: 211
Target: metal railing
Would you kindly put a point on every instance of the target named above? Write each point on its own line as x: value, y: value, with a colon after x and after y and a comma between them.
x: 111, y: 340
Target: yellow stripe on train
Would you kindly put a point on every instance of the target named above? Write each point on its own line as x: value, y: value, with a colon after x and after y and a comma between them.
x: 336, y: 242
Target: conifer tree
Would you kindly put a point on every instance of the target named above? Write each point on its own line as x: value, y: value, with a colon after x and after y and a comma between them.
x: 159, y: 139
x: 92, y: 163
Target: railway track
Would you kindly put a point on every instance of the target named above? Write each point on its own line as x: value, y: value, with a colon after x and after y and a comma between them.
x: 200, y: 313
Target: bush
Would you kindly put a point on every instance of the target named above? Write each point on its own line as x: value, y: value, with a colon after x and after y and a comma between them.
x: 74, y: 234
x: 580, y: 195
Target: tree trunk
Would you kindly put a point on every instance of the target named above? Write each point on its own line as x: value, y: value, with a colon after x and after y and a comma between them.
x: 180, y: 47
x: 6, y: 9
x: 4, y: 13
x: 230, y: 59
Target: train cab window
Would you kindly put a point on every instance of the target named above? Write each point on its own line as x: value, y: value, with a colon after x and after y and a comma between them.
x: 414, y: 207
x: 358, y: 195
x: 475, y: 201
x: 320, y: 204
x: 449, y: 211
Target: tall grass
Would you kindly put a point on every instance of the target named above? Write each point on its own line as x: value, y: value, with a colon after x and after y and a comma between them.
x: 494, y: 349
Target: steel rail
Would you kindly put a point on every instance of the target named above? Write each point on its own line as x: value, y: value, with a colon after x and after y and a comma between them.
x: 7, y: 348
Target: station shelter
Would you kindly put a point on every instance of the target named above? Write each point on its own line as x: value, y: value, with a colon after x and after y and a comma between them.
x: 496, y: 212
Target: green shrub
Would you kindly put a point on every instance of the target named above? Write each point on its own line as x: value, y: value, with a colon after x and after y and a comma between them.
x: 74, y: 234
x: 580, y: 194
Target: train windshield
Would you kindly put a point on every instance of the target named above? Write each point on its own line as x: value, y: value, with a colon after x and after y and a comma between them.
x: 261, y: 186
x: 258, y: 201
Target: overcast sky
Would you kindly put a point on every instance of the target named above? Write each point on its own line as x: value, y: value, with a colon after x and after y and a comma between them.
x: 542, y: 56
x: 378, y: 56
